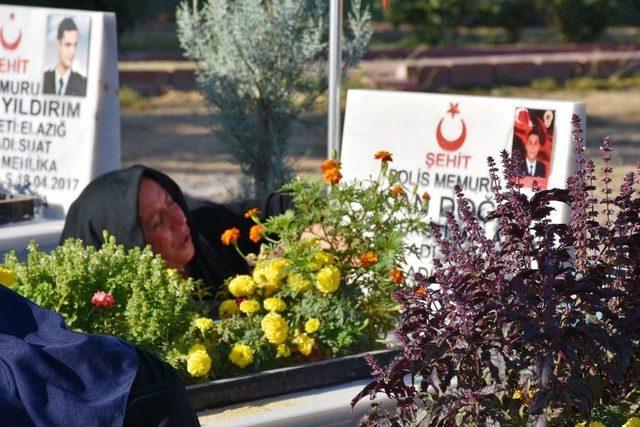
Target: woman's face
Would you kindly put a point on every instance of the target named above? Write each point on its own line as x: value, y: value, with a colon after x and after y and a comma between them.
x: 164, y: 225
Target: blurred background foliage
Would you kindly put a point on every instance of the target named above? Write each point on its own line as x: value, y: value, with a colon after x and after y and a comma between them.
x: 150, y: 24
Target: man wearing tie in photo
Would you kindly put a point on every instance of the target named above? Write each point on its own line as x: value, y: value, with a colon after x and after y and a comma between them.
x: 531, y: 165
x: 62, y: 80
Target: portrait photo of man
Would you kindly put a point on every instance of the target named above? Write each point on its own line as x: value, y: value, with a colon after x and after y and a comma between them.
x: 532, y: 166
x: 62, y: 79
x: 533, y: 132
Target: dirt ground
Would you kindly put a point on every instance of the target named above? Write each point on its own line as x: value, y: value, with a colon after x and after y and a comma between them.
x: 174, y: 133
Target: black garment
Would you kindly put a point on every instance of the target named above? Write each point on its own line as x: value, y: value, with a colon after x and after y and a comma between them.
x: 157, y: 396
x: 110, y: 202
x: 76, y: 86
x: 540, y: 172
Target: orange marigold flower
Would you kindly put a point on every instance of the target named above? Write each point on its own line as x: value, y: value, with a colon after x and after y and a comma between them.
x: 330, y: 164
x: 397, y: 276
x: 385, y: 156
x: 396, y: 190
x: 252, y: 212
x: 230, y: 236
x: 421, y: 292
x: 368, y: 258
x: 255, y: 233
x: 426, y: 197
x: 332, y: 176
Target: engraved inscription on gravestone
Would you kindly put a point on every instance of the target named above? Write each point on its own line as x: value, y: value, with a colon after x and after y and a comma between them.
x: 59, y: 111
x: 59, y: 115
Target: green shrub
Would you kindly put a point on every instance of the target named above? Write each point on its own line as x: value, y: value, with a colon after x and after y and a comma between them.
x: 582, y: 20
x: 260, y: 65
x: 154, y: 307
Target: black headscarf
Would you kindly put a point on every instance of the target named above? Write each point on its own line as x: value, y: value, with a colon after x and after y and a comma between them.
x: 110, y: 202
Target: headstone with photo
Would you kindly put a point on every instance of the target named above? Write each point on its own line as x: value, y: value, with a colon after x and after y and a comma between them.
x: 442, y: 140
x: 59, y: 115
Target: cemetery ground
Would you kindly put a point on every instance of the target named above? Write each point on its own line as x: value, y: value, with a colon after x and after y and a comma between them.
x: 171, y: 131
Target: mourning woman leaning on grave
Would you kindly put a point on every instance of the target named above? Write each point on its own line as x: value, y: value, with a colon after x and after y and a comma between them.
x: 140, y: 206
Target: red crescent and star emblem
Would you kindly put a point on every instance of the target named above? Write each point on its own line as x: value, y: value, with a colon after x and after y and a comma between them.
x: 451, y: 144
x: 12, y: 45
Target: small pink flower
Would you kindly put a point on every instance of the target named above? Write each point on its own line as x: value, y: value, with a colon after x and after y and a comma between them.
x: 102, y: 299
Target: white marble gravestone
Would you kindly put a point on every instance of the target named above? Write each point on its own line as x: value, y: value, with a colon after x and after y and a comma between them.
x: 59, y: 109
x: 440, y: 140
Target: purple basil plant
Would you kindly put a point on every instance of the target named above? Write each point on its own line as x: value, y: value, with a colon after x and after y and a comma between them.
x: 535, y: 328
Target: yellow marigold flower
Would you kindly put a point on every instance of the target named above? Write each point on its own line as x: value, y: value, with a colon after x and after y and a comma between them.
x: 632, y: 422
x: 198, y: 362
x: 275, y: 328
x: 228, y: 308
x: 259, y: 275
x: 305, y: 344
x: 196, y: 347
x: 312, y: 325
x: 7, y: 277
x: 328, y: 279
x: 252, y: 212
x: 241, y: 355
x: 397, y: 190
x: 298, y: 283
x: 204, y: 324
x: 320, y: 259
x: 283, y: 350
x: 274, y: 272
x: 255, y: 233
x: 517, y: 394
x: 230, y: 236
x: 274, y: 304
x: 249, y: 306
x: 242, y: 286
x: 426, y: 197
x: 397, y: 276
x: 329, y: 164
x: 385, y: 156
x: 368, y: 258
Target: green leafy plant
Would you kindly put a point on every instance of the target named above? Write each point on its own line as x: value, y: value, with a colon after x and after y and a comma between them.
x: 260, y: 65
x: 324, y: 286
x: 128, y: 294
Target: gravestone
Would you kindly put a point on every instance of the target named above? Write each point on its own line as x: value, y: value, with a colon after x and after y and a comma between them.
x: 59, y: 110
x: 440, y: 140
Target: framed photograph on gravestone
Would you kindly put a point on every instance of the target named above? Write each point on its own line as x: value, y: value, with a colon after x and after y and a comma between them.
x: 66, y: 57
x: 533, y: 131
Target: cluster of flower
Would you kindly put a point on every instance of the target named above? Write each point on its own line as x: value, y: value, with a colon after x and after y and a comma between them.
x: 253, y: 299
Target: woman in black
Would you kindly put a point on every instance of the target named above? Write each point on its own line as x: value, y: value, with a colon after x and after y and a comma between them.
x: 140, y: 206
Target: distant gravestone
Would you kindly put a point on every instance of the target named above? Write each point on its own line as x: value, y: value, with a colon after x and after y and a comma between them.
x: 442, y: 140
x: 59, y: 108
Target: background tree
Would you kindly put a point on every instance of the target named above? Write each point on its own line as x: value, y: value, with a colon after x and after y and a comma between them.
x: 260, y: 65
x: 128, y: 13
x: 432, y: 20
x: 582, y: 20
x: 510, y: 15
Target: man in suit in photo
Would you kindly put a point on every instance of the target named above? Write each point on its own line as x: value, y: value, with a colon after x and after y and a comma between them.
x: 62, y: 80
x: 531, y: 166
